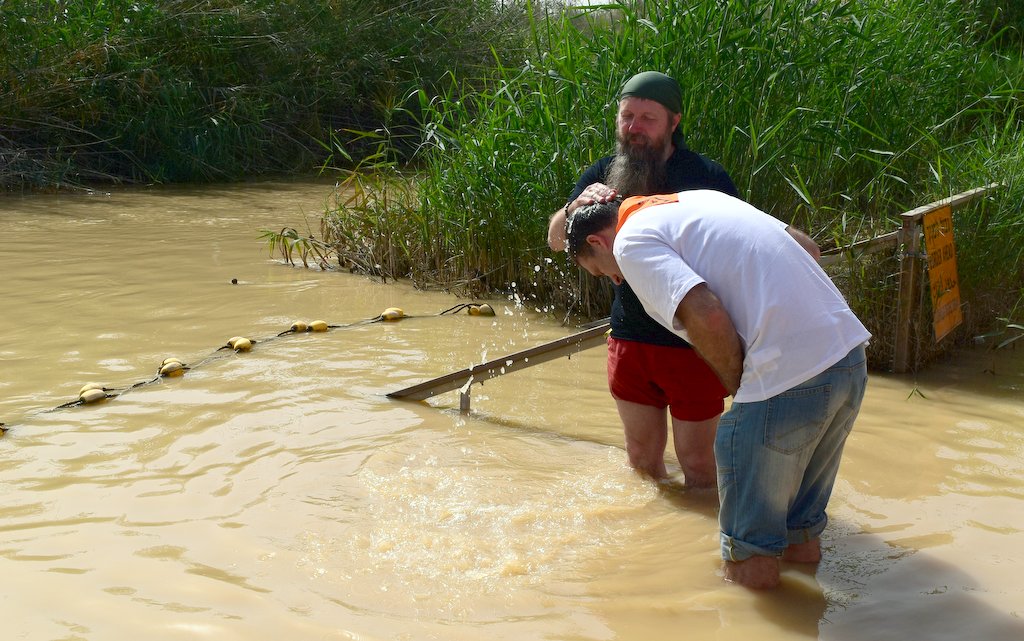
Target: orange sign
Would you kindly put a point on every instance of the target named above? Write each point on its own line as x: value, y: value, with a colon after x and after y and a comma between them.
x: 945, y: 285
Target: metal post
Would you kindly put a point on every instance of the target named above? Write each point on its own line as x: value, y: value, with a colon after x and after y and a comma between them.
x: 910, y: 271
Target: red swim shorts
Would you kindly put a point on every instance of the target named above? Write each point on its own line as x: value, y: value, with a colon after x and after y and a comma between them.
x: 661, y: 376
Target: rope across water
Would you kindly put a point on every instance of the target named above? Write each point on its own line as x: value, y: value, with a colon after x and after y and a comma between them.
x: 92, y: 393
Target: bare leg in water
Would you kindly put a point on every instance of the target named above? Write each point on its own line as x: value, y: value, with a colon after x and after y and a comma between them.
x: 646, y: 431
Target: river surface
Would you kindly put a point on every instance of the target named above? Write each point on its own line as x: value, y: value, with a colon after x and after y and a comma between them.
x: 278, y: 494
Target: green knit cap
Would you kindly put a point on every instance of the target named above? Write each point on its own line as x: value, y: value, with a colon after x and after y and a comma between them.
x: 656, y: 86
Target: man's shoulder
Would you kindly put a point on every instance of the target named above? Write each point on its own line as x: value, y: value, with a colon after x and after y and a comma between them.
x: 600, y: 167
x: 595, y: 173
x: 688, y: 169
x: 687, y: 156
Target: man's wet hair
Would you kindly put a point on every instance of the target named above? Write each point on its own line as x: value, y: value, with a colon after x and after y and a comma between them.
x: 587, y: 220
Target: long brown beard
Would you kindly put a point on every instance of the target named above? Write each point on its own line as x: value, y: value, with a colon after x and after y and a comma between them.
x: 637, y: 170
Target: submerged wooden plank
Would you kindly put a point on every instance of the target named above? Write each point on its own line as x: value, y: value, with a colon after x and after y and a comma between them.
x: 566, y: 346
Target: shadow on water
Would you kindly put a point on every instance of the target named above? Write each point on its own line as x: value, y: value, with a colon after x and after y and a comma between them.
x: 847, y: 600
x: 879, y: 592
x: 797, y: 606
x: 867, y: 590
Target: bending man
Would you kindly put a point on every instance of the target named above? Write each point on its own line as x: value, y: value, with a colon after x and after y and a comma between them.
x: 779, y: 336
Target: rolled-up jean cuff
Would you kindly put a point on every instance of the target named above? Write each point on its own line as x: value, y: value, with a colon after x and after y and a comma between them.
x: 736, y: 550
x: 794, y: 537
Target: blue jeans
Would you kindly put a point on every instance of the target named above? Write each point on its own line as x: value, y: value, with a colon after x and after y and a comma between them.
x: 778, y: 459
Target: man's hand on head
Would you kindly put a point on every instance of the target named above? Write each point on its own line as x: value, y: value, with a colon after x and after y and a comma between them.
x: 596, y: 193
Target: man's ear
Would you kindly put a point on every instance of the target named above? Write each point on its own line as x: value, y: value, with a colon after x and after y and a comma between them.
x: 597, y: 241
x: 675, y: 118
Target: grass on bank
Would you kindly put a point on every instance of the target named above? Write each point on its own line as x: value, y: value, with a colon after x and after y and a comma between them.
x: 202, y: 90
x: 833, y: 115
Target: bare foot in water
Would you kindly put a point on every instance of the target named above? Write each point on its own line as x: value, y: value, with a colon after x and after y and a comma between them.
x: 757, y: 572
x: 807, y: 552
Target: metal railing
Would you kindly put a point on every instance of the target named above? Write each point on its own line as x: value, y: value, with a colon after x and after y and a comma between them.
x: 912, y: 261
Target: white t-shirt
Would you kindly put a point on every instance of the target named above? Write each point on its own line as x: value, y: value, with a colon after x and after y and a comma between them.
x: 793, y: 322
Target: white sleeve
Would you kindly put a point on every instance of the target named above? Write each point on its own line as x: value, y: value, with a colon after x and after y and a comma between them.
x: 657, y: 273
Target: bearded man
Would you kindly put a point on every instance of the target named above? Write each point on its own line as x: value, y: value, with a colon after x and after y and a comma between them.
x: 651, y: 369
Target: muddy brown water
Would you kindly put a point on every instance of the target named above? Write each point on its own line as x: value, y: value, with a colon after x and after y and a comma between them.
x: 279, y: 494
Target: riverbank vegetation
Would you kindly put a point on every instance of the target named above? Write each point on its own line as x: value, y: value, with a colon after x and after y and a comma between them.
x: 203, y: 90
x: 456, y: 128
x: 833, y: 115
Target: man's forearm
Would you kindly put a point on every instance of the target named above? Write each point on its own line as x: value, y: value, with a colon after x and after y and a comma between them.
x: 556, y: 230
x: 711, y: 332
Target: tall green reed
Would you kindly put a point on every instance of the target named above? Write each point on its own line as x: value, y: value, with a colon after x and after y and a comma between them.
x: 833, y: 115
x: 180, y: 90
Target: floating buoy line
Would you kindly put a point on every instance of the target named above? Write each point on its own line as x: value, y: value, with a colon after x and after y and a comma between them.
x: 171, y: 367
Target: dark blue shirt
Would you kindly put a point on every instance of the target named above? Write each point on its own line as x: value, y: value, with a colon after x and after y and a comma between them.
x: 685, y: 170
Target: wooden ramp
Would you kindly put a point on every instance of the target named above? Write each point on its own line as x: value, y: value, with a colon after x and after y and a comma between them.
x: 465, y: 378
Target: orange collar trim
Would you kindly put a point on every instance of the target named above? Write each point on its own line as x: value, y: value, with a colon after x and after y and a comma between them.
x: 634, y: 204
